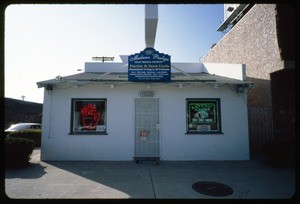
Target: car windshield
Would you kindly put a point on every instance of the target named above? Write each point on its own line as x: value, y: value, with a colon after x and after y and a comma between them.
x: 17, y: 127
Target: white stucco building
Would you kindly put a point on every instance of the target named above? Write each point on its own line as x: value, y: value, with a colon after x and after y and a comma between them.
x: 201, y: 114
x: 146, y: 107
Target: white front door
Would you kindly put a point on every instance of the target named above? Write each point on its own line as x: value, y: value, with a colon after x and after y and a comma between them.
x: 147, y: 127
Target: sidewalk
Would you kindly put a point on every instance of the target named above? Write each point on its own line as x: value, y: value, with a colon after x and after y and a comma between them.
x: 168, y: 180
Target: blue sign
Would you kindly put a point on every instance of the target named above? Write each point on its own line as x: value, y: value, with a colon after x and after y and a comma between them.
x: 149, y: 65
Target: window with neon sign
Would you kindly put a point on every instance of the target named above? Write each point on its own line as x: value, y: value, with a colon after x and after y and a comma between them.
x: 203, y: 116
x: 88, y: 116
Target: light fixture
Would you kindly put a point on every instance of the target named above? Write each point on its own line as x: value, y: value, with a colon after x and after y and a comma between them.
x: 240, y: 89
x: 49, y: 89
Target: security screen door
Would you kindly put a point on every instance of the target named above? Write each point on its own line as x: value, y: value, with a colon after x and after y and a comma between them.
x: 147, y: 127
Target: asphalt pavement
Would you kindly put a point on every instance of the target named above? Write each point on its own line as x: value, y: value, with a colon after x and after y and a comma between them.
x: 250, y: 179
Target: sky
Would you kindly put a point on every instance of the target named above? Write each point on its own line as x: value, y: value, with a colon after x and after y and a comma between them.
x: 47, y: 40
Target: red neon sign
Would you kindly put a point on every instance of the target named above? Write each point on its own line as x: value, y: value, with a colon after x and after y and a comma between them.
x: 89, y: 116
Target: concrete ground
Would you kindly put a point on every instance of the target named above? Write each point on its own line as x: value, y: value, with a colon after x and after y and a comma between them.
x: 168, y: 180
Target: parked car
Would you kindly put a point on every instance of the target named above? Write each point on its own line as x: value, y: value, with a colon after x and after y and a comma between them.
x: 23, y: 126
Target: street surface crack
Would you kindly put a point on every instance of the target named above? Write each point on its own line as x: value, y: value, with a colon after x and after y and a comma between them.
x: 152, y: 183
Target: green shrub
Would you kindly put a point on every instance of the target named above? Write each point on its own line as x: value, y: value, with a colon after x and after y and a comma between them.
x: 18, y: 151
x: 34, y: 135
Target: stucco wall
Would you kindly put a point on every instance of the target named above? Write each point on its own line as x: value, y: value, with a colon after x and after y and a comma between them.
x: 175, y: 144
x: 253, y: 42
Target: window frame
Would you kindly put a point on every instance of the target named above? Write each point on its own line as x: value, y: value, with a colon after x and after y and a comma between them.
x: 87, y: 132
x: 217, y: 102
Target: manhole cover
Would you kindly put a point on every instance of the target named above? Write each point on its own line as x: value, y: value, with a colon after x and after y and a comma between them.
x: 212, y: 188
